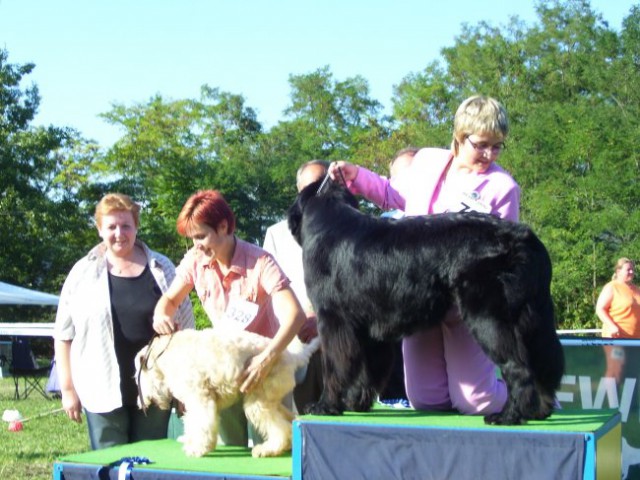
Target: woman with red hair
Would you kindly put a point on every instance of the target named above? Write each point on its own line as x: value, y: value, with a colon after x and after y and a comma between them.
x: 239, y: 284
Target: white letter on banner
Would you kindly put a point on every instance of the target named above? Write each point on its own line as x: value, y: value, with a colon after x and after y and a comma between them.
x: 627, y: 396
x: 606, y: 386
x: 566, y: 397
x: 585, y: 392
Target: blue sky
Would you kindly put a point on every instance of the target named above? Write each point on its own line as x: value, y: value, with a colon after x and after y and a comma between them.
x: 90, y: 54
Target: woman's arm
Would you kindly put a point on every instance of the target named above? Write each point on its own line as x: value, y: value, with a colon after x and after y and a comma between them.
x: 602, y: 310
x: 291, y: 317
x: 163, y: 322
x: 70, y: 401
x: 368, y: 184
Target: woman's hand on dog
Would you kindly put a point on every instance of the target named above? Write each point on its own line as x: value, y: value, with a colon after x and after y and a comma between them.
x: 257, y: 369
x: 163, y: 324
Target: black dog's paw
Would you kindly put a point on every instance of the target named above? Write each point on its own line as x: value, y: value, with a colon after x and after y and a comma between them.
x: 543, y: 414
x: 362, y: 407
x: 360, y: 400
x: 358, y: 406
x: 321, y: 408
x: 504, y: 418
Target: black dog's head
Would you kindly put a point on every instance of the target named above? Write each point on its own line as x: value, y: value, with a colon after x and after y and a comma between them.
x: 331, y: 193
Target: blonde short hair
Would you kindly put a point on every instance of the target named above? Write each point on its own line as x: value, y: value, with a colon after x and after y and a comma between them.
x: 116, y: 202
x: 622, y: 261
x: 479, y: 114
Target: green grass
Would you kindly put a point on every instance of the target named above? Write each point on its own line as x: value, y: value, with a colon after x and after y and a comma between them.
x: 30, y: 454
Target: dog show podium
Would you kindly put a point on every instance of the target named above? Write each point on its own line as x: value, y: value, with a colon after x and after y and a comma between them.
x: 407, y: 444
x: 169, y: 462
x: 386, y: 444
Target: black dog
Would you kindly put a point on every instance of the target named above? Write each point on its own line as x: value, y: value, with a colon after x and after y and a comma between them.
x: 373, y: 281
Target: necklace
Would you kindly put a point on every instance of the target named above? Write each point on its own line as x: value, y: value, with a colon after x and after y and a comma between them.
x: 125, y: 267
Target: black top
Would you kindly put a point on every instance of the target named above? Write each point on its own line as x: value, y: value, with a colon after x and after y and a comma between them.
x: 133, y: 300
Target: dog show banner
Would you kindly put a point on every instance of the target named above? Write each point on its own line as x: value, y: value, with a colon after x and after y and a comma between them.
x: 604, y: 373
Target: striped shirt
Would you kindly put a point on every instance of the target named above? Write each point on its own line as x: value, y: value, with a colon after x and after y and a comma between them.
x: 84, y: 317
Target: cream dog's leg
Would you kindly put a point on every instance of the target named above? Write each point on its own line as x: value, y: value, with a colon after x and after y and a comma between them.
x: 273, y: 421
x: 200, y: 427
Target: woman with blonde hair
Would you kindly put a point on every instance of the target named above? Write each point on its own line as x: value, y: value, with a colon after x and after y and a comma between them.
x: 618, y: 305
x: 444, y: 366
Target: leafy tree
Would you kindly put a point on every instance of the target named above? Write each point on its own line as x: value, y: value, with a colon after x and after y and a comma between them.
x: 39, y: 217
x: 171, y: 149
x: 332, y: 120
x: 570, y: 85
x: 569, y: 82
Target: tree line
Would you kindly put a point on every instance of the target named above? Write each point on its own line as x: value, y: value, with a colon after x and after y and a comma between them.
x: 570, y: 83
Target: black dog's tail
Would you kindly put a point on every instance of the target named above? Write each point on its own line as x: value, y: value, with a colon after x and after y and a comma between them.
x: 546, y: 357
x: 537, y: 323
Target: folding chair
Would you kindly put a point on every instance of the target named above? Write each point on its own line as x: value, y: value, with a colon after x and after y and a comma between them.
x: 24, y: 366
x: 3, y: 360
x: 53, y: 386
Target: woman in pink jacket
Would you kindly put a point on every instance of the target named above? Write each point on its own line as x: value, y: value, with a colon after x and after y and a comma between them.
x: 444, y: 367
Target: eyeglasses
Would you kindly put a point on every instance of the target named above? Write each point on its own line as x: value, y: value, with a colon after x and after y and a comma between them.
x: 483, y: 147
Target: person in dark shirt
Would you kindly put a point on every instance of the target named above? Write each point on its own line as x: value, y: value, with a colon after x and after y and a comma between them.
x: 105, y: 316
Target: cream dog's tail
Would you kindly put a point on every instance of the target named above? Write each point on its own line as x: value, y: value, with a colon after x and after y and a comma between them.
x: 302, y: 352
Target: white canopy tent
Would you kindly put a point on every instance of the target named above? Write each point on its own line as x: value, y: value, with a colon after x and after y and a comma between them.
x: 13, y: 295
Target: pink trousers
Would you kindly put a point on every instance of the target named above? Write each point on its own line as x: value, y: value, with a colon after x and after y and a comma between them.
x: 446, y: 369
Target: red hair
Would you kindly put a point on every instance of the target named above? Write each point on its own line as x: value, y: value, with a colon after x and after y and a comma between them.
x: 117, y: 202
x: 206, y: 207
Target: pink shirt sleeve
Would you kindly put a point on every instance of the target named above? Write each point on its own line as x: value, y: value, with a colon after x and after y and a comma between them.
x: 377, y: 189
x: 415, y: 189
x: 272, y: 278
x: 508, y: 206
x: 186, y: 269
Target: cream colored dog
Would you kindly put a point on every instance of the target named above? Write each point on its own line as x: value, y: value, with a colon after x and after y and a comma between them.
x: 201, y: 368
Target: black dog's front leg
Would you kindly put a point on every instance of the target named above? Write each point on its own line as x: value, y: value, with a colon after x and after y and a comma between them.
x: 342, y: 360
x: 330, y: 402
x: 522, y: 398
x: 371, y: 372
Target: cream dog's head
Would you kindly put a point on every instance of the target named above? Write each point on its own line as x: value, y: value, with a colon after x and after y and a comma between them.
x: 149, y: 376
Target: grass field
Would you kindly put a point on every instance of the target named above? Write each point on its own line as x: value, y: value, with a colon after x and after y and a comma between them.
x: 30, y: 454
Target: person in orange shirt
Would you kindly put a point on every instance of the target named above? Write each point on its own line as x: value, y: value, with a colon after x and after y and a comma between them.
x: 619, y: 303
x: 618, y: 308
